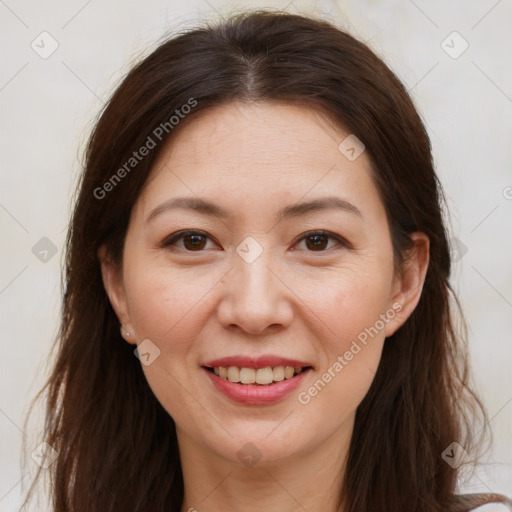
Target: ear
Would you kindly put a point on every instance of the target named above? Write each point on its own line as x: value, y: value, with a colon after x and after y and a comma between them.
x: 408, y: 285
x: 114, y: 286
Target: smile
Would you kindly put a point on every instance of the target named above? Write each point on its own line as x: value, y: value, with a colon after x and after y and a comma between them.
x: 261, y: 376
x: 256, y: 381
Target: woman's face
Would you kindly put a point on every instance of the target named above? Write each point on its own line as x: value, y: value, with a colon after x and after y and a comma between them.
x: 291, y: 264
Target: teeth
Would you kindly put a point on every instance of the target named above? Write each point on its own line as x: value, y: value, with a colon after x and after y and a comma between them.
x: 262, y: 376
x: 288, y: 372
x: 278, y: 373
x: 233, y: 374
x: 247, y: 375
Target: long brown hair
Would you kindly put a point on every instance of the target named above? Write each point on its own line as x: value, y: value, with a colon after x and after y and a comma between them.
x: 117, y: 446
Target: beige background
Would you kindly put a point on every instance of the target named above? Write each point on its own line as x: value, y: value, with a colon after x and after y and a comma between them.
x: 48, y: 106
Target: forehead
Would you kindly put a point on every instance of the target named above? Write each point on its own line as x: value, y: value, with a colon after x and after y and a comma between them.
x: 263, y: 130
x: 275, y: 150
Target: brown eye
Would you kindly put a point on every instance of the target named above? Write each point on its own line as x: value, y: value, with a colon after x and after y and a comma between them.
x: 192, y: 241
x: 318, y: 241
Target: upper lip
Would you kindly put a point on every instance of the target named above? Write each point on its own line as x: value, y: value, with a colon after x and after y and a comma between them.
x: 255, y: 362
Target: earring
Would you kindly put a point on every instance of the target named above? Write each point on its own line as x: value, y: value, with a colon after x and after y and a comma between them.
x: 125, y: 332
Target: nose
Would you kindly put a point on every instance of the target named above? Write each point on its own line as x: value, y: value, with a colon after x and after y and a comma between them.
x: 255, y: 297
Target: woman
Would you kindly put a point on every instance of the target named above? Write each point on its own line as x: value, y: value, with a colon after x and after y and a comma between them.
x: 257, y: 309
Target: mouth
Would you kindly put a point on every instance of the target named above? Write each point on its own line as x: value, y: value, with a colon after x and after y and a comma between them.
x: 256, y: 376
x: 256, y: 381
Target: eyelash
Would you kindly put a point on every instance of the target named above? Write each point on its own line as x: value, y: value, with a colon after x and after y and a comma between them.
x: 182, y: 234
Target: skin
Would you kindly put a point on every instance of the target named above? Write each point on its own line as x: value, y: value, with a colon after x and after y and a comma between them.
x: 294, y: 300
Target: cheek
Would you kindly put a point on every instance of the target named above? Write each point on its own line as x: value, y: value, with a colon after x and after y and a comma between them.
x: 164, y: 303
x: 170, y: 307
x: 349, y: 301
x: 355, y: 312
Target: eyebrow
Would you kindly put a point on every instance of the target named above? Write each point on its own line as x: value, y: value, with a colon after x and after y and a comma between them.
x: 214, y: 210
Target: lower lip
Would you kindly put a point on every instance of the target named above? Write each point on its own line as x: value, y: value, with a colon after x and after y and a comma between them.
x: 255, y: 394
